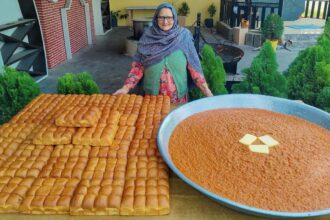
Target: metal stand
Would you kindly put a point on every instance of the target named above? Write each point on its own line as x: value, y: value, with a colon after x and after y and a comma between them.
x: 197, y: 32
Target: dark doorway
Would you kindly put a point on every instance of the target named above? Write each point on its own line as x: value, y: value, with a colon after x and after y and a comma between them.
x: 105, y: 12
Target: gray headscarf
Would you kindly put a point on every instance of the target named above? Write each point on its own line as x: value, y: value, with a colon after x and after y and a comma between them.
x: 155, y: 43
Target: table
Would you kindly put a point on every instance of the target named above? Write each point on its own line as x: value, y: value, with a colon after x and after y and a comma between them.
x: 130, y: 11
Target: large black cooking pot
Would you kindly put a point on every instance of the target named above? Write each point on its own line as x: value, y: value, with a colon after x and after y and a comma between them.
x: 230, y: 56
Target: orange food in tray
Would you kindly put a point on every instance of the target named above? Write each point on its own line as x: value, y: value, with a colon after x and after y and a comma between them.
x: 255, y: 157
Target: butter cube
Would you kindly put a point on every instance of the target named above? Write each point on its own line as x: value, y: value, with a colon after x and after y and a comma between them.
x: 263, y: 149
x: 248, y: 139
x: 268, y: 140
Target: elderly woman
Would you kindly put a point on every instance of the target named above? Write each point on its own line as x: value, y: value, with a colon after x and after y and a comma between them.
x: 165, y: 55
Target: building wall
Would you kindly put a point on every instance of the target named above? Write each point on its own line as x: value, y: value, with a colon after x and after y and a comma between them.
x: 77, y: 26
x: 51, y: 24
x: 97, y: 17
x: 195, y: 7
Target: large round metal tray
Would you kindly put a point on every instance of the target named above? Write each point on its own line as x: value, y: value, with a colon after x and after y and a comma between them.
x: 285, y: 106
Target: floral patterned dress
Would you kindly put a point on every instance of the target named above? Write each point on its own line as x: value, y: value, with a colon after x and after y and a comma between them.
x: 166, y: 83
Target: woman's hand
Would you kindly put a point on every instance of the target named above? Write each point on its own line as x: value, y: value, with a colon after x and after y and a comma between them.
x: 122, y: 90
x: 205, y: 90
x: 208, y: 93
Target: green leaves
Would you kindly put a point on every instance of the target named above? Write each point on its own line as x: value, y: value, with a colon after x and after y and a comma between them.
x: 81, y: 83
x: 323, y: 99
x: 16, y: 90
x: 214, y: 73
x: 212, y: 10
x: 262, y: 77
x: 272, y: 27
x: 309, y: 75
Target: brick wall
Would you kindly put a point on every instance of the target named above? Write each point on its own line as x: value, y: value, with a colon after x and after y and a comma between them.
x: 51, y: 23
x: 77, y: 26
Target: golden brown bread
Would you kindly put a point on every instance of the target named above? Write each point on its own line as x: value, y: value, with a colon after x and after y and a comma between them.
x: 104, y: 168
x: 13, y: 190
x: 145, y: 197
x: 8, y: 146
x: 64, y: 166
x: 71, y: 151
x: 78, y: 117
x: 49, y: 196
x: 109, y: 116
x: 40, y: 110
x: 100, y: 197
x: 77, y: 178
x: 17, y: 131
x: 52, y: 135
x: 25, y: 164
x: 101, y: 135
x: 146, y: 167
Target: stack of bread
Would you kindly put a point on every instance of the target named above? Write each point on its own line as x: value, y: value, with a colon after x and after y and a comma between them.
x: 85, y: 155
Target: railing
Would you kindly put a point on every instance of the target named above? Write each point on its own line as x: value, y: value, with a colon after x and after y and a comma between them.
x: 22, y: 43
x: 317, y: 9
x: 232, y: 11
x: 226, y: 11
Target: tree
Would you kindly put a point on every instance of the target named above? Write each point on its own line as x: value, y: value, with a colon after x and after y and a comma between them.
x: 323, y: 99
x: 214, y: 73
x: 309, y: 73
x: 17, y: 89
x: 272, y: 27
x: 262, y: 77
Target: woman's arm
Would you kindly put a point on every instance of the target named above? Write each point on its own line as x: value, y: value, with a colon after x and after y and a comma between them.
x: 134, y: 76
x: 200, y: 81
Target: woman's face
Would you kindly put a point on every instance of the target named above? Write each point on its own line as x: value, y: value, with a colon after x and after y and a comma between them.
x: 165, y: 19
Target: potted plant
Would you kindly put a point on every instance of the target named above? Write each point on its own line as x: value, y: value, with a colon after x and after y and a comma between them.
x: 209, y: 21
x: 183, y: 11
x: 114, y: 18
x: 272, y: 29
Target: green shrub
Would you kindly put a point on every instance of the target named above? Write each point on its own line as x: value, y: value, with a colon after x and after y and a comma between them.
x: 327, y: 28
x: 81, y: 83
x: 309, y: 73
x: 262, y: 77
x: 17, y: 89
x: 323, y: 99
x: 272, y: 27
x: 214, y: 73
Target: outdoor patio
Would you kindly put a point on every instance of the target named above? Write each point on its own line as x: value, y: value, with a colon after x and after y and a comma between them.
x: 107, y: 62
